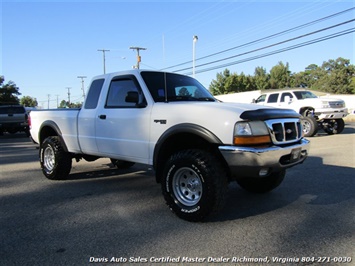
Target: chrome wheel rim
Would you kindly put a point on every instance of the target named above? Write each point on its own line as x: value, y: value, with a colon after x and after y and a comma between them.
x: 49, y: 158
x: 187, y: 186
x: 306, y: 127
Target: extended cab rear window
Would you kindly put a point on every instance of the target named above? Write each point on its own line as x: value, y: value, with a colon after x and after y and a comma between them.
x: 94, y: 94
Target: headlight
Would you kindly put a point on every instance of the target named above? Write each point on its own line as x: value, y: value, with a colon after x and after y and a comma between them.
x: 325, y: 104
x: 251, y: 133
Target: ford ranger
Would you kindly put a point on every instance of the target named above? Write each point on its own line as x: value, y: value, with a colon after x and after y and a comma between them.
x: 195, y: 143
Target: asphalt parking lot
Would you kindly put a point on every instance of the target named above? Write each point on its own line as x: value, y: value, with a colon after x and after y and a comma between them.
x: 105, y: 216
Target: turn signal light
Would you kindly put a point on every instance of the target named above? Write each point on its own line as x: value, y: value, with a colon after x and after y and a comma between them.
x: 251, y: 140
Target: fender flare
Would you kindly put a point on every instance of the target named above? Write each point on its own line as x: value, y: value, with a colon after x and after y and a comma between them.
x: 198, y: 130
x: 51, y: 124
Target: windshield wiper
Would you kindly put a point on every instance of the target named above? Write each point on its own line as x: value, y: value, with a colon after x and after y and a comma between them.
x: 207, y: 99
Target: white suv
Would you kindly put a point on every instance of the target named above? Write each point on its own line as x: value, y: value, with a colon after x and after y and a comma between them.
x: 326, y: 113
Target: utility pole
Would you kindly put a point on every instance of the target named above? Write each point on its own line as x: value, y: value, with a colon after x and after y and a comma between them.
x: 82, y: 84
x: 68, y: 88
x: 138, y: 56
x: 104, y: 57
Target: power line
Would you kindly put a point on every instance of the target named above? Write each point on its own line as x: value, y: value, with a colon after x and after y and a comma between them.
x: 267, y: 37
x: 268, y: 46
x: 321, y: 39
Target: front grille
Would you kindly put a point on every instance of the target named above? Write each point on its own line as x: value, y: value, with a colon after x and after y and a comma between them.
x: 338, y: 104
x: 284, y: 131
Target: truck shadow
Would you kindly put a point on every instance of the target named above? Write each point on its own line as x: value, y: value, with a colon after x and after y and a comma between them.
x: 311, y: 183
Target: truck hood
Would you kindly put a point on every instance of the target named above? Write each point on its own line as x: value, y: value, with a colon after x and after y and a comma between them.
x: 217, y: 117
x: 221, y: 111
x: 318, y: 102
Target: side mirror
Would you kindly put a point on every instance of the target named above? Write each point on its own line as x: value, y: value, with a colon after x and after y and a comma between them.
x: 132, y: 97
x: 288, y: 99
x: 253, y: 101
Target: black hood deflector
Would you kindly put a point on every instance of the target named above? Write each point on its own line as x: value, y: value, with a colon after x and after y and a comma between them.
x: 269, y: 113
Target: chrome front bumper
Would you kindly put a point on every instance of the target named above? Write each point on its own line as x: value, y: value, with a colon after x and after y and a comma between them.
x: 250, y: 161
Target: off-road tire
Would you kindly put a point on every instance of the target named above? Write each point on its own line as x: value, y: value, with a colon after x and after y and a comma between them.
x: 194, y: 184
x: 309, y: 125
x: 334, y: 126
x: 55, y: 162
x: 262, y: 184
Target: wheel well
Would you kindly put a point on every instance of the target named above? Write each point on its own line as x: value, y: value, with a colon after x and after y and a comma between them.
x: 305, y: 110
x: 178, y: 142
x: 48, y: 131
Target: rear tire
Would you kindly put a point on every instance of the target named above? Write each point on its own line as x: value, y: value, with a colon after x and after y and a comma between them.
x: 55, y: 162
x: 194, y: 184
x: 334, y: 126
x: 262, y: 184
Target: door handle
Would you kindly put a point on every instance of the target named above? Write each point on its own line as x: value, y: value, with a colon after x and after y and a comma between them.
x: 102, y: 117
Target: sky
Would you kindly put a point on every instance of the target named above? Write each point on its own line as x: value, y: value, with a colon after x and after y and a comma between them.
x: 46, y: 45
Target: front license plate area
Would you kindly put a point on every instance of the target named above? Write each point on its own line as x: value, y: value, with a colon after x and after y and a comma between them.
x: 295, y: 155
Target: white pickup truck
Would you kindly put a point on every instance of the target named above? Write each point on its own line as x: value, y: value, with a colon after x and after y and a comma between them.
x: 195, y: 143
x: 325, y: 113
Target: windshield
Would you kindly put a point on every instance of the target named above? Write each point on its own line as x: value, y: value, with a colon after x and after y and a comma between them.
x: 178, y: 87
x: 304, y: 95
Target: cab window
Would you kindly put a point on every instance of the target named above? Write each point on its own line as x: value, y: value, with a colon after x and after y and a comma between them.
x: 261, y: 99
x: 284, y: 95
x: 118, y: 92
x: 273, y: 98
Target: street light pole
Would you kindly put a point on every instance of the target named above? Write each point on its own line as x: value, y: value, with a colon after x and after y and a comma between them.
x: 194, y: 41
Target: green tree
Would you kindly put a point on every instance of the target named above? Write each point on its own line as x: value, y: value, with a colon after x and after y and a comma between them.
x: 65, y: 104
x: 228, y: 83
x: 261, y: 79
x: 8, y: 92
x: 218, y: 86
x: 280, y: 76
x: 184, y: 92
x: 28, y: 101
x: 245, y: 83
x: 334, y: 76
x: 337, y: 77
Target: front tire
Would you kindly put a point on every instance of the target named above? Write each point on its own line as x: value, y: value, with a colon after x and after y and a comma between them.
x: 334, y: 126
x: 55, y: 162
x: 262, y: 184
x: 194, y: 184
x: 309, y: 125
